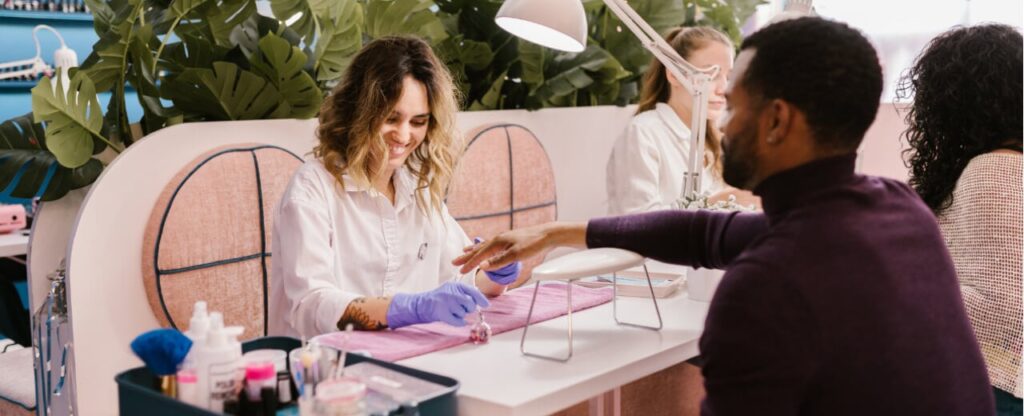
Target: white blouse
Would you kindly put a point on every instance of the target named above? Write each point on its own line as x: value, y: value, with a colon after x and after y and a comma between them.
x: 646, y: 169
x: 331, y: 246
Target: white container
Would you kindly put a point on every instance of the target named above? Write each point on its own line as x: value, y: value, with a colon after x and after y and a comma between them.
x: 702, y: 283
x: 280, y: 360
x: 188, y: 388
x: 343, y: 396
x: 219, y: 363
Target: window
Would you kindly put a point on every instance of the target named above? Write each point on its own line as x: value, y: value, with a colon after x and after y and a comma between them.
x: 900, y: 29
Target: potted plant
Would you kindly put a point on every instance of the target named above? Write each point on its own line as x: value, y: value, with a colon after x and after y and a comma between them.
x: 211, y: 60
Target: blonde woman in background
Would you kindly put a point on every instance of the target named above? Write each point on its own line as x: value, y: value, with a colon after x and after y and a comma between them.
x: 646, y: 169
x: 362, y: 235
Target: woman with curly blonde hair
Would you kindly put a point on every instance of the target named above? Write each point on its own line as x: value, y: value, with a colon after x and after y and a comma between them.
x: 361, y: 234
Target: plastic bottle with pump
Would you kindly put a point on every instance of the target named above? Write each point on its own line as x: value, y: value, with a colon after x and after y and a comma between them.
x: 220, y: 362
x: 198, y: 327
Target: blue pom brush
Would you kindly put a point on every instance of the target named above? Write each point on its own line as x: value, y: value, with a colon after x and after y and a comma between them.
x: 163, y: 350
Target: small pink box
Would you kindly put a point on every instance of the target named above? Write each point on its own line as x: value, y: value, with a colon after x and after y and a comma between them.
x: 12, y: 218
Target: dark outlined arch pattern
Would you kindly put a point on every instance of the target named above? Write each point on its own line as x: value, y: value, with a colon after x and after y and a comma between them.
x: 512, y: 208
x: 262, y: 255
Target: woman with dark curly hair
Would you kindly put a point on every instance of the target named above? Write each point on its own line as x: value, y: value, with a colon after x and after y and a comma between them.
x: 965, y: 161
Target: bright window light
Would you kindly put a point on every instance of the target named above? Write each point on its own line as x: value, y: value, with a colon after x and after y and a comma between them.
x: 901, y: 29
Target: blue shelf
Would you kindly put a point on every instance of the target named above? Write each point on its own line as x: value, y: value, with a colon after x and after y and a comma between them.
x: 29, y: 85
x: 18, y: 85
x: 41, y: 15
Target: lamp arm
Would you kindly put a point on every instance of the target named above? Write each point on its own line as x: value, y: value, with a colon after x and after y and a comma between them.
x: 696, y: 80
x: 653, y: 42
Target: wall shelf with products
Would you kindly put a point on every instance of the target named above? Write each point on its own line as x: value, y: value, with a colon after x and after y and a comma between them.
x: 17, y: 45
x: 37, y: 15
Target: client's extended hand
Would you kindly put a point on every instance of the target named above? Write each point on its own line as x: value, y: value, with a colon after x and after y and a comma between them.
x: 519, y: 244
x: 505, y: 275
x: 449, y: 303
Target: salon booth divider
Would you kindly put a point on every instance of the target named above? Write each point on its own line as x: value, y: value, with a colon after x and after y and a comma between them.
x: 185, y: 214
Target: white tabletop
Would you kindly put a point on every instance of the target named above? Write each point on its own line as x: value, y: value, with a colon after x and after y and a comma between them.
x: 497, y: 380
x: 14, y: 243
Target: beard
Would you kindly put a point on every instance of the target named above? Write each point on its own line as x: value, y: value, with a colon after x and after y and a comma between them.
x: 738, y: 160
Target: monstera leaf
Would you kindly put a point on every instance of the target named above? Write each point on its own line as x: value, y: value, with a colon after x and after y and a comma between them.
x: 492, y: 99
x: 329, y: 9
x: 102, y: 15
x: 286, y: 10
x: 226, y: 17
x: 339, y: 40
x: 473, y: 54
x: 192, y: 52
x: 397, y: 17
x: 662, y: 15
x: 531, y: 58
x: 73, y: 121
x: 563, y: 74
x: 227, y: 92
x: 281, y: 63
x: 725, y: 15
x: 155, y: 114
x: 107, y: 65
x: 25, y: 162
x: 181, y: 8
x: 608, y: 88
x: 247, y: 35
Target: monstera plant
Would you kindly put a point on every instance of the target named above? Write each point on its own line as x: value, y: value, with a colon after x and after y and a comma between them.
x: 207, y: 60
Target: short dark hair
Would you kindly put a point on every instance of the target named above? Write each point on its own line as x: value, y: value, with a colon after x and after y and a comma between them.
x: 826, y: 69
x: 966, y: 91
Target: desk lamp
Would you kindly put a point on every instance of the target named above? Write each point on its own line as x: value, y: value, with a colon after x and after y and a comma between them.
x: 562, y: 25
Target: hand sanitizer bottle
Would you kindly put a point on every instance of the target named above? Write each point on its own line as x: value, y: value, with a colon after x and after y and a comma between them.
x: 199, y: 324
x: 221, y: 362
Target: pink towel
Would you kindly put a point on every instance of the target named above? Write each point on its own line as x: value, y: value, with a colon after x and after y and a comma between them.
x: 507, y: 312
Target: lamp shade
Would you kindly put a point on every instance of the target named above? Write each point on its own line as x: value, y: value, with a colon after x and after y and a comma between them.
x: 557, y: 24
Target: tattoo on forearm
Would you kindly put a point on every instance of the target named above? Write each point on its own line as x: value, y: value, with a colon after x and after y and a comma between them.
x: 357, y: 315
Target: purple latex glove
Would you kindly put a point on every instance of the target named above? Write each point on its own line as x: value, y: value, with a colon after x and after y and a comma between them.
x: 505, y: 275
x: 449, y: 303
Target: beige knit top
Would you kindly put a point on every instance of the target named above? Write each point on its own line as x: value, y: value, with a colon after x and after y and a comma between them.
x: 982, y: 228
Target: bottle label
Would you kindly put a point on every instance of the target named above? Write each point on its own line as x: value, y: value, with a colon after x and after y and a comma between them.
x: 224, y: 380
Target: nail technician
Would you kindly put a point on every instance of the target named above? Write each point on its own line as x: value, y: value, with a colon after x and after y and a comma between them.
x: 361, y: 234
x: 646, y: 169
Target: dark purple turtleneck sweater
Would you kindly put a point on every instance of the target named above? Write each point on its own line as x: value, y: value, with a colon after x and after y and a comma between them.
x: 840, y: 300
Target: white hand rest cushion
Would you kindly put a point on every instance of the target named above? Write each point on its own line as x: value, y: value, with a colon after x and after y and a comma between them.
x: 587, y: 263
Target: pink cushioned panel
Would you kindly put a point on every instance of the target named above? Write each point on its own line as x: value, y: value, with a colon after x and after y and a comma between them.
x: 504, y: 181
x: 208, y: 236
x: 506, y: 313
x: 534, y: 180
x: 481, y: 183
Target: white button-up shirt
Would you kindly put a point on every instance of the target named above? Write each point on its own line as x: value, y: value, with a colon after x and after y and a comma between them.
x: 332, y: 245
x: 648, y: 163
